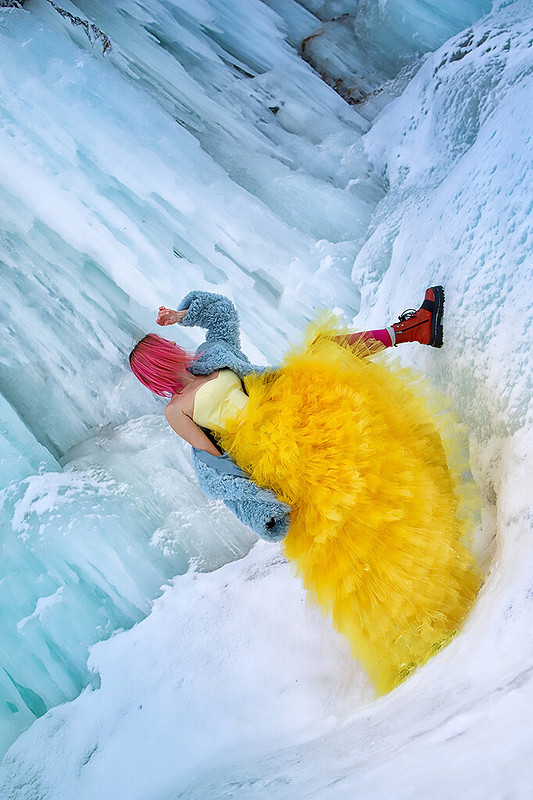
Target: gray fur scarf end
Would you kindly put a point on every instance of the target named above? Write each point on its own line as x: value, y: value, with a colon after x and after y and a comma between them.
x: 258, y: 508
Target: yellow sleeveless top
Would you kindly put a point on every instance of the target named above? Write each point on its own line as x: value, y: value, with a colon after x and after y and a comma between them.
x: 218, y: 400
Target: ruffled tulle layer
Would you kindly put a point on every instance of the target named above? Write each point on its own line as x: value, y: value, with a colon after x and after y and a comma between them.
x: 374, y: 467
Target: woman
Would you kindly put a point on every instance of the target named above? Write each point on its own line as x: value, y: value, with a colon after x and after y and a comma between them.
x: 347, y: 441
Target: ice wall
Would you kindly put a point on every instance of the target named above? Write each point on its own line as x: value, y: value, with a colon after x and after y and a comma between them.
x: 203, y: 152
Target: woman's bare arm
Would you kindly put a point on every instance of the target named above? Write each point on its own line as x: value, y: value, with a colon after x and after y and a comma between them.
x: 185, y: 427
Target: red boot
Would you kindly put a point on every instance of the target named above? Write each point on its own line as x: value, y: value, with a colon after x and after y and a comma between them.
x: 425, y: 325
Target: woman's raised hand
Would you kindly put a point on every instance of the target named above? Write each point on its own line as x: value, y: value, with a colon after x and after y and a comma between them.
x: 167, y: 316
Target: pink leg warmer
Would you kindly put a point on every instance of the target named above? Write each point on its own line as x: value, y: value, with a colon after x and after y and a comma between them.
x: 382, y: 336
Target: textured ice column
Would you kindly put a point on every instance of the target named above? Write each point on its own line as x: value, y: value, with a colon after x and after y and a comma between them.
x: 20, y: 453
x: 456, y: 150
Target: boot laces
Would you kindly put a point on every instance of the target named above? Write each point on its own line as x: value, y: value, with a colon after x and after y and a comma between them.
x: 410, y: 312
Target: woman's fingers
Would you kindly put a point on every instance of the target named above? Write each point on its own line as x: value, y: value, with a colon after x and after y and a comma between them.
x: 167, y: 316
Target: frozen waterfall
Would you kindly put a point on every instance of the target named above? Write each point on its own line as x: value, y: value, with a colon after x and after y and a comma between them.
x: 295, y: 156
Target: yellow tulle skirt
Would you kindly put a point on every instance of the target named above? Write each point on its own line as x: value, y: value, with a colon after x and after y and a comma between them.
x: 375, y: 468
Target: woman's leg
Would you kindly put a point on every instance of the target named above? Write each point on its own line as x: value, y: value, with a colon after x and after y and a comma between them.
x: 423, y: 326
x: 384, y: 336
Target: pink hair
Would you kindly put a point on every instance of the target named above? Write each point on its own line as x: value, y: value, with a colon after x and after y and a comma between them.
x: 159, y: 363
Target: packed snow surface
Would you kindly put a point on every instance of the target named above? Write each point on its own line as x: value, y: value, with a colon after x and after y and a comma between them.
x: 294, y: 156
